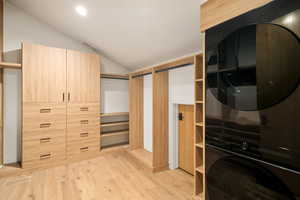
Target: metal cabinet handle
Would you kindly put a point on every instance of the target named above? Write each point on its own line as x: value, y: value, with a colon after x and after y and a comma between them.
x: 84, y: 149
x: 45, y: 125
x: 45, y: 140
x: 45, y: 110
x: 63, y: 97
x: 69, y: 96
x: 45, y: 156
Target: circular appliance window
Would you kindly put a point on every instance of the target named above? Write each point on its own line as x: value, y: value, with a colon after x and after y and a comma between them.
x: 232, y: 178
x: 254, y: 67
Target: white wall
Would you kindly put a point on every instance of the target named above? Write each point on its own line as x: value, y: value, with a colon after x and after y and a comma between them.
x: 18, y: 27
x: 114, y: 95
x: 181, y: 91
x: 148, y: 108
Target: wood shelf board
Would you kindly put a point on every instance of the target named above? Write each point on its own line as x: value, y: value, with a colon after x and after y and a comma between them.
x: 200, y: 145
x: 115, y: 133
x: 114, y: 147
x: 10, y: 65
x: 199, y: 102
x: 110, y: 124
x: 115, y: 76
x: 199, y: 80
x: 114, y: 114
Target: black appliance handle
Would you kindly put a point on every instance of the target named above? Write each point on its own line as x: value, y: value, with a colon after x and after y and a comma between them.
x: 254, y: 159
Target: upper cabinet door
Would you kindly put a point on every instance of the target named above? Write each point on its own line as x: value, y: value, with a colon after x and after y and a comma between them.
x: 44, y: 74
x: 83, y: 71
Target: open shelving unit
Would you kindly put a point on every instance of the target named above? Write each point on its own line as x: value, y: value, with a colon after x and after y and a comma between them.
x: 114, y: 132
x: 199, y: 128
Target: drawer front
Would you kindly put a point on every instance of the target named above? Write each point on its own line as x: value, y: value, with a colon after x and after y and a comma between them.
x: 44, y: 159
x: 44, y: 111
x: 74, y: 135
x: 83, y: 121
x: 42, y: 138
x: 46, y: 125
x: 34, y: 146
x: 83, y: 109
x: 84, y: 147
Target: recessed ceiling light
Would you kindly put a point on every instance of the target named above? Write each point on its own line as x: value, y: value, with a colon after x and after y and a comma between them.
x: 81, y: 10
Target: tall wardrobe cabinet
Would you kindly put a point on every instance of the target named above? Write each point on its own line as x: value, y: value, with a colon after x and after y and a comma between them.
x: 60, y: 105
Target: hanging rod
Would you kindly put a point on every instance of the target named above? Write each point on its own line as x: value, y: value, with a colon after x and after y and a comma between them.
x: 140, y: 75
x: 171, y: 68
x: 115, y: 76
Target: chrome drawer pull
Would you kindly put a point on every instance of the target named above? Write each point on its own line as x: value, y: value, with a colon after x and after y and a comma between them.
x: 84, y: 109
x: 84, y: 121
x: 45, y: 125
x: 84, y: 149
x: 45, y: 156
x: 45, y: 110
x: 84, y: 134
x: 45, y: 140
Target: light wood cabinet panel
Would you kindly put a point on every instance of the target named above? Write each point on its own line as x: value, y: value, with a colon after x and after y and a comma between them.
x: 214, y: 12
x: 44, y: 73
x: 83, y: 77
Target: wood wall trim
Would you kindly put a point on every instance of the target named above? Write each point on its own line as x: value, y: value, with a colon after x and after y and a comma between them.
x: 160, y: 121
x: 136, y: 112
x: 170, y: 65
x: 214, y: 12
x: 115, y: 76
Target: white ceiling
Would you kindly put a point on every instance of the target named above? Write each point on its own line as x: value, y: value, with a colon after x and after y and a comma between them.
x: 134, y: 33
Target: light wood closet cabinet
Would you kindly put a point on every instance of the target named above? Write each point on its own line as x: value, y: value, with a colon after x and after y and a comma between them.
x: 61, y: 105
x: 83, y: 112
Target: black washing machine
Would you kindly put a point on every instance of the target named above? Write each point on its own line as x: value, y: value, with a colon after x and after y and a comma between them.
x: 253, y: 105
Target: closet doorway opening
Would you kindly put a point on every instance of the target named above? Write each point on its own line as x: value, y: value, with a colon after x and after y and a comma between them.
x: 186, y: 138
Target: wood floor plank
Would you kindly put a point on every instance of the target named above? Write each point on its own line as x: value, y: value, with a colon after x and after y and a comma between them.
x: 113, y: 176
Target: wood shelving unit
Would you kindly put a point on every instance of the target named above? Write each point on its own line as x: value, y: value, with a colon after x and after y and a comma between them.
x: 115, y: 130
x: 199, y: 128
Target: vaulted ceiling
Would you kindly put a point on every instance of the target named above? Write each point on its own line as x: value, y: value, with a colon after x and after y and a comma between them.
x: 134, y: 33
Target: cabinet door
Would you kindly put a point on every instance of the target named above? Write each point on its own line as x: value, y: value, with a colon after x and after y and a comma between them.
x: 44, y: 74
x: 83, y: 71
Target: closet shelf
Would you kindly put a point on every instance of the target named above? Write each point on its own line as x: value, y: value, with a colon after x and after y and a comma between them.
x: 10, y: 65
x: 114, y: 133
x: 200, y: 145
x: 115, y: 76
x: 199, y: 102
x: 110, y: 124
x: 115, y: 146
x: 199, y: 80
x: 200, y: 169
x: 114, y: 114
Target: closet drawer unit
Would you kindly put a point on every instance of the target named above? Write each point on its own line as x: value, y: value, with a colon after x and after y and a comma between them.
x: 75, y: 135
x: 43, y: 124
x: 43, y: 149
x: 84, y: 108
x: 83, y: 122
x: 44, y: 111
x: 83, y: 147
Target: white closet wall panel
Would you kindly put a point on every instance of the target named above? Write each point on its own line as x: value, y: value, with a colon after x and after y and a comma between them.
x: 12, y: 116
x: 148, y: 108
x: 114, y: 95
x: 181, y: 91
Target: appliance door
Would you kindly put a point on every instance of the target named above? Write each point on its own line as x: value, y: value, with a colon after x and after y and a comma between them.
x: 253, y: 73
x: 231, y: 177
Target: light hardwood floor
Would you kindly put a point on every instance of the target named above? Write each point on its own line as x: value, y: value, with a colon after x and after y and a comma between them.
x: 113, y: 176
